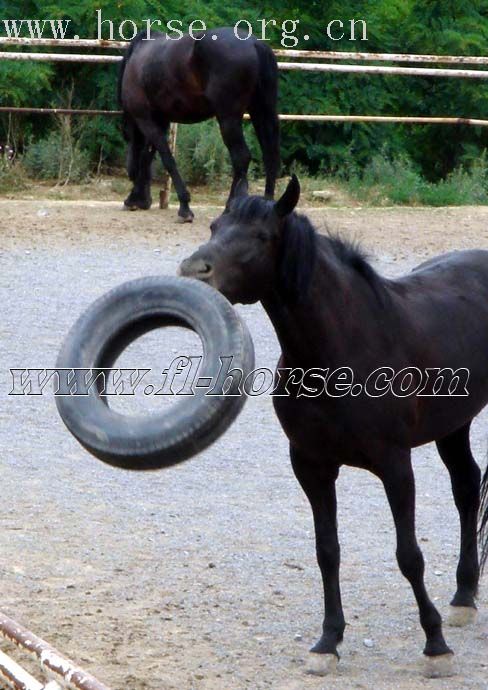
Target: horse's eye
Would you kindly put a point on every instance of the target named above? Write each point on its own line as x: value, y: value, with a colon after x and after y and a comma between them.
x: 263, y: 236
x: 212, y: 228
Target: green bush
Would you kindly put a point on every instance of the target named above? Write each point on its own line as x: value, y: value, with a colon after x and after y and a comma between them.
x: 57, y: 157
x: 397, y: 181
x: 462, y: 186
x: 202, y: 156
x: 12, y: 175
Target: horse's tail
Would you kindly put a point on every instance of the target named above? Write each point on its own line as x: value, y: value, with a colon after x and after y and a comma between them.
x: 483, y: 520
x: 264, y: 107
x: 126, y: 119
x: 267, y: 87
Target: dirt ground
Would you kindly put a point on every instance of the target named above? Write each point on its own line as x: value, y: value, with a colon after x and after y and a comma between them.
x: 203, y: 576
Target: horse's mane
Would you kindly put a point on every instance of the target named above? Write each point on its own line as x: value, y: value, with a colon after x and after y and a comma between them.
x: 351, y: 254
x: 299, y: 249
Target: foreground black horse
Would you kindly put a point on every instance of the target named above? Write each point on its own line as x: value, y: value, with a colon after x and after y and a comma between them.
x: 331, y: 310
x: 187, y: 80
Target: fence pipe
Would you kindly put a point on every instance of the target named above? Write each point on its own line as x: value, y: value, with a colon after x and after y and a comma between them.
x: 301, y: 66
x: 378, y: 69
x: 64, y: 43
x: 50, y: 659
x: 408, y: 120
x: 59, y: 57
x: 16, y: 676
x: 57, y: 111
x: 382, y: 57
x: 279, y: 52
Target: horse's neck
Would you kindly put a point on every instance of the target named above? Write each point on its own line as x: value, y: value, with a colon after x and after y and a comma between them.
x: 311, y: 330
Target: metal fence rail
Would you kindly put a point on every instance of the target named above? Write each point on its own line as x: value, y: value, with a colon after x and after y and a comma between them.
x: 301, y: 66
x: 19, y: 679
x: 286, y: 52
x: 53, y: 662
x: 284, y: 117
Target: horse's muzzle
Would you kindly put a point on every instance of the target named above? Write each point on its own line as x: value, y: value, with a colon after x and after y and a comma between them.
x: 196, y: 268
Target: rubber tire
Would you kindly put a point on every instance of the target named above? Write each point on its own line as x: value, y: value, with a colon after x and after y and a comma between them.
x: 114, y: 321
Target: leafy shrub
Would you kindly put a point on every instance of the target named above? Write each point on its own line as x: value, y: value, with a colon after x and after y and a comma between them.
x: 202, y: 156
x: 459, y: 188
x: 397, y: 181
x: 57, y: 156
x: 12, y: 175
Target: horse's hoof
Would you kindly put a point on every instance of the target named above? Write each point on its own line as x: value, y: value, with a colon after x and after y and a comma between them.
x: 184, y: 219
x: 459, y: 616
x: 441, y: 666
x: 321, y: 664
x: 137, y: 204
x: 134, y: 207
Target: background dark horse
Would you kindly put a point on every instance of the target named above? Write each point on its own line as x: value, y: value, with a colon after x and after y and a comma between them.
x: 163, y: 81
x: 331, y: 310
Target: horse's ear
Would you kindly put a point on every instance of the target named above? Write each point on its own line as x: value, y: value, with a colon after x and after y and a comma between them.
x: 241, y: 188
x: 289, y: 200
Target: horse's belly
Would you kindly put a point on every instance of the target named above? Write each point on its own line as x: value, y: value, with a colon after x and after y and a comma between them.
x: 186, y: 110
x: 441, y: 415
x: 325, y: 428
x: 356, y: 430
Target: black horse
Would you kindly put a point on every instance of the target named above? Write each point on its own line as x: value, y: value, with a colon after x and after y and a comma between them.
x: 191, y: 80
x: 331, y: 310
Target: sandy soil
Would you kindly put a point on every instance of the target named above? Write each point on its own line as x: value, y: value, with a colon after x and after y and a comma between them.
x: 203, y: 577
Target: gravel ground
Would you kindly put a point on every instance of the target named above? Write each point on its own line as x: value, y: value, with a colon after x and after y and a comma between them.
x: 203, y: 576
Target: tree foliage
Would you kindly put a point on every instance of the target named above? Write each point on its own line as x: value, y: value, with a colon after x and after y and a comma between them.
x: 454, y: 27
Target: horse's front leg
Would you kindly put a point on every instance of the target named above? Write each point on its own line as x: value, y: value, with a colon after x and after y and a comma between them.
x: 318, y: 483
x: 398, y: 479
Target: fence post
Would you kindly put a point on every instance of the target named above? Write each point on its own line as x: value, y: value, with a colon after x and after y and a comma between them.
x: 166, y: 188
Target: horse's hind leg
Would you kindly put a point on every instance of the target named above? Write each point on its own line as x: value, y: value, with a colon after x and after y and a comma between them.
x: 157, y: 135
x: 139, y: 158
x: 140, y: 196
x: 465, y: 475
x: 397, y: 476
x: 267, y: 127
x: 233, y: 136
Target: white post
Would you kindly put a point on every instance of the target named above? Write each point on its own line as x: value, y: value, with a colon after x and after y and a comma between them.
x: 166, y: 188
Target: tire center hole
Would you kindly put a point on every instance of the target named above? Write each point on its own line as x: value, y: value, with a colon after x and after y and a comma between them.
x: 165, y: 362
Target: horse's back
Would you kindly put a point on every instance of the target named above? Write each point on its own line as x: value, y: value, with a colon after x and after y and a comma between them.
x: 453, y: 272
x: 160, y: 77
x: 229, y: 68
x: 192, y: 79
x: 458, y: 258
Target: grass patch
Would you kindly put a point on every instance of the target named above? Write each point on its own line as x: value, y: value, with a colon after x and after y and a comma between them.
x: 12, y: 176
x: 396, y: 181
x: 384, y: 181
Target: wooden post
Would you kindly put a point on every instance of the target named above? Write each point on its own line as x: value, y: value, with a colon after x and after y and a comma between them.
x: 166, y: 188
